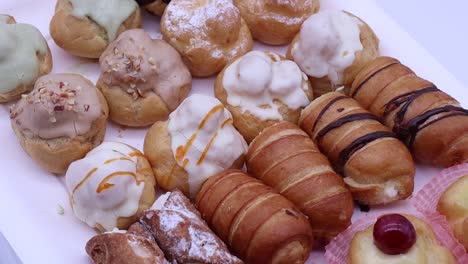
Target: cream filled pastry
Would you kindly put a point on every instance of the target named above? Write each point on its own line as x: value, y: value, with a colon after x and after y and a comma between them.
x: 142, y: 79
x: 207, y: 33
x: 85, y: 27
x: 331, y: 47
x: 62, y: 119
x: 196, y: 142
x: 24, y: 57
x: 261, y: 89
x: 110, y: 186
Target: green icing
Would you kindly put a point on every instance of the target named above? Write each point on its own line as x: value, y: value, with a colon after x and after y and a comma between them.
x: 109, y: 14
x: 18, y: 61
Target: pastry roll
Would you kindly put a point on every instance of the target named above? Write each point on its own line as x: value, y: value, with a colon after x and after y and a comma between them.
x: 276, y: 22
x: 182, y: 234
x: 207, y: 33
x: 285, y: 158
x: 61, y: 120
x: 24, y: 57
x: 261, y: 89
x: 196, y: 142
x: 85, y: 28
x: 430, y: 122
x: 331, y: 48
x: 260, y: 225
x: 142, y: 79
x: 111, y: 186
x: 376, y: 166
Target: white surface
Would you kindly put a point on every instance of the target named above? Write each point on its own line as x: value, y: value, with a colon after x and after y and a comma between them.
x: 29, y: 196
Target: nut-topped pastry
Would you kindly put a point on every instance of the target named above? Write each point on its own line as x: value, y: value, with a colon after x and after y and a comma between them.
x: 142, y: 79
x: 24, y: 57
x: 61, y: 120
x: 156, y: 7
x: 111, y: 186
x: 261, y: 89
x: 207, y: 33
x: 85, y: 27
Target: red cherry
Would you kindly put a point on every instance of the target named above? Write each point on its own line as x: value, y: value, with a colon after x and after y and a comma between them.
x: 394, y: 234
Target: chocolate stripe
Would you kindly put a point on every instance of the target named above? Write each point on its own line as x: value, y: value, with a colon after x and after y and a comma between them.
x: 327, y: 106
x: 343, y: 120
x: 370, y: 77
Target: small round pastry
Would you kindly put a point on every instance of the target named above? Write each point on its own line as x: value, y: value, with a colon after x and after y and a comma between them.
x: 261, y: 89
x: 142, y: 79
x: 453, y: 204
x: 61, y: 120
x: 196, y: 142
x: 24, y: 57
x: 331, y: 48
x: 156, y: 7
x: 85, y: 28
x: 276, y: 22
x: 396, y: 238
x: 111, y: 186
x: 207, y: 33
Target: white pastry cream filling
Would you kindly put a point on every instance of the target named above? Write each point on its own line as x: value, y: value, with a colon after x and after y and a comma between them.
x: 104, y: 185
x: 203, y: 139
x: 327, y: 44
x: 109, y: 14
x: 257, y: 80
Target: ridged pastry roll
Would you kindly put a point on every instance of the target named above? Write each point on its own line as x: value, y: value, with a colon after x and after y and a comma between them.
x: 431, y: 123
x: 376, y: 166
x: 285, y: 158
x: 260, y: 225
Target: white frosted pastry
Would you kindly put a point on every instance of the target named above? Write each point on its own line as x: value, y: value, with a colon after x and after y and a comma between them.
x: 110, y: 186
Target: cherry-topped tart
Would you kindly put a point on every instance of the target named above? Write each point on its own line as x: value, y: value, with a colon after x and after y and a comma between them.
x: 394, y: 234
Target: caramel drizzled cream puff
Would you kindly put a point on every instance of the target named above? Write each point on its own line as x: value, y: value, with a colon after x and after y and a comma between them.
x: 111, y: 186
x: 196, y: 142
x: 24, y: 57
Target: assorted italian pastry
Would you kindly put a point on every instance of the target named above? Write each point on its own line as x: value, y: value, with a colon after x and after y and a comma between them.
x: 258, y: 224
x: 111, y: 186
x: 376, y: 166
x: 285, y: 158
x: 261, y: 89
x: 24, y: 57
x: 430, y: 122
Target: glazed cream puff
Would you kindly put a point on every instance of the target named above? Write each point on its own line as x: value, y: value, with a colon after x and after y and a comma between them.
x: 453, y: 204
x: 196, y: 142
x: 111, y: 186
x: 142, y: 79
x: 331, y: 48
x: 156, y: 7
x: 207, y: 33
x: 85, y: 28
x: 261, y: 89
x: 276, y: 22
x: 24, y: 57
x: 61, y: 120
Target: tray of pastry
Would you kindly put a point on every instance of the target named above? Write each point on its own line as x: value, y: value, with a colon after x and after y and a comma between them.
x: 219, y: 131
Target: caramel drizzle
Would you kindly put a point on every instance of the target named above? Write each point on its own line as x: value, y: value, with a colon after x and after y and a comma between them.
x: 116, y: 159
x: 207, y: 148
x: 136, y: 154
x: 104, y: 185
x: 90, y: 173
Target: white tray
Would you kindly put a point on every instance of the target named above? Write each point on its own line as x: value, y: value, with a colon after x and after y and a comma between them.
x: 29, y: 196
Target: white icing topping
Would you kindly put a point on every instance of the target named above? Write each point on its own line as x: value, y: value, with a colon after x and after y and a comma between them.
x: 327, y: 44
x: 255, y: 81
x: 103, y: 186
x: 204, y: 141
x: 109, y: 14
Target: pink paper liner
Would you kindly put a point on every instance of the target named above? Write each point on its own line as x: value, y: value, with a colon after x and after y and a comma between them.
x: 337, y: 250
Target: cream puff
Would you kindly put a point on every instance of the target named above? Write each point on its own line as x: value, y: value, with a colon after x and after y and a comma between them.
x: 85, y: 28
x: 142, y: 79
x: 61, y: 120
x: 24, y: 57
x: 276, y: 22
x: 261, y: 89
x: 196, y: 142
x: 111, y: 186
x: 156, y: 7
x: 331, y: 48
x: 207, y: 33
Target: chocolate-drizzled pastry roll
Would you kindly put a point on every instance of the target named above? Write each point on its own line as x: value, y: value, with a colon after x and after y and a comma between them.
x: 376, y: 166
x: 430, y: 122
x: 285, y: 158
